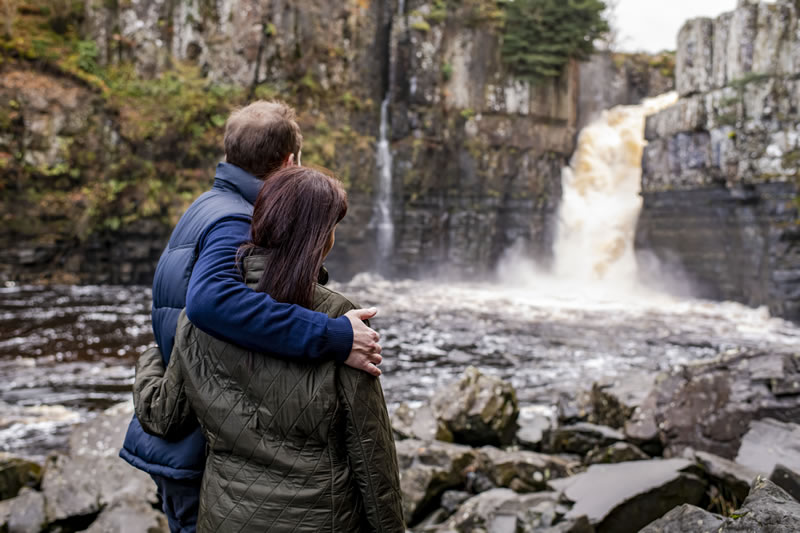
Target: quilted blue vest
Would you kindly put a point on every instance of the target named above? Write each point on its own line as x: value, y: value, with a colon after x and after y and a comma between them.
x: 232, y: 196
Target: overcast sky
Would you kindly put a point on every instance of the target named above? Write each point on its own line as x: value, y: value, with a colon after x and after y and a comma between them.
x: 652, y: 25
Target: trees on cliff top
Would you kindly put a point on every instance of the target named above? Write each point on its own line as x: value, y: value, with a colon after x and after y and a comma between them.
x: 541, y: 36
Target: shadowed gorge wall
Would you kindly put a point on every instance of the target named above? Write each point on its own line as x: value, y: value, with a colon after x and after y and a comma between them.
x: 720, y: 176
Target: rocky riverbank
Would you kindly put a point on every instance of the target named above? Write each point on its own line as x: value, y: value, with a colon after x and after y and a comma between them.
x: 687, y: 447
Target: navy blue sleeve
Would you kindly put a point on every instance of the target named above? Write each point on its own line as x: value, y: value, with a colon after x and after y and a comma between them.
x: 219, y: 303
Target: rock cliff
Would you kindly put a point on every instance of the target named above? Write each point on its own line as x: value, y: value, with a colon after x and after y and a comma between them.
x: 720, y: 173
x: 112, y: 121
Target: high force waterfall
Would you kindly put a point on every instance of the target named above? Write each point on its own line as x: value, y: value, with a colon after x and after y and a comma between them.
x: 601, y: 203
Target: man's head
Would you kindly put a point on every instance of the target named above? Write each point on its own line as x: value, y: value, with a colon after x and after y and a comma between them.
x: 262, y: 137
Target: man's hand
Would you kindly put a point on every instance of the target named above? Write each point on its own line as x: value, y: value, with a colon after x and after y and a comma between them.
x: 366, y: 352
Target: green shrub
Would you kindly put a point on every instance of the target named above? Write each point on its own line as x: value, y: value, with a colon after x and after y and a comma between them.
x: 87, y: 56
x: 541, y: 36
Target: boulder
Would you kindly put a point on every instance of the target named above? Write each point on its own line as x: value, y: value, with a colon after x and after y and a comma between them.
x: 787, y: 479
x: 452, y: 500
x: 768, y: 443
x: 612, y: 403
x: 5, y: 513
x: 581, y: 438
x: 130, y: 517
x: 17, y: 472
x: 503, y: 511
x: 70, y: 487
x: 92, y: 476
x: 534, y: 424
x: 572, y: 525
x: 419, y: 423
x: 683, y: 519
x: 642, y: 428
x: 570, y: 409
x: 478, y: 409
x: 429, y: 469
x: 708, y: 405
x: 767, y: 508
x: 619, y: 452
x: 625, y: 497
x: 521, y: 471
x: 27, y: 513
x: 734, y: 479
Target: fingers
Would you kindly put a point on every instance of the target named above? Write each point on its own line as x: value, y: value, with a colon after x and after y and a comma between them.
x: 364, y: 314
x: 372, y: 369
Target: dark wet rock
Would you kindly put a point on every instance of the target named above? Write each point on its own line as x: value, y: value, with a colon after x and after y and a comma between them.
x: 27, y: 513
x: 582, y: 437
x: 452, y: 500
x: 521, y: 471
x: 625, y: 497
x: 130, y: 517
x: 767, y: 508
x: 572, y: 525
x: 477, y: 481
x: 708, y: 406
x: 642, y: 429
x: 419, y: 423
x: 768, y: 443
x: 733, y: 478
x: 478, y: 409
x: 431, y: 523
x: 427, y: 469
x: 503, y: 511
x: 619, y: 452
x: 612, y: 403
x: 534, y: 426
x: 787, y: 479
x: 17, y: 472
x: 570, y: 410
x: 92, y: 476
x: 684, y: 519
x: 5, y: 513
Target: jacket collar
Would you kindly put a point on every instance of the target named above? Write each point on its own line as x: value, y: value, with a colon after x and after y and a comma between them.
x: 232, y: 178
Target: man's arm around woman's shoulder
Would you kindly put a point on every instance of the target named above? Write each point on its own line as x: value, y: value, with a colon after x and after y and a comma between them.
x: 219, y: 303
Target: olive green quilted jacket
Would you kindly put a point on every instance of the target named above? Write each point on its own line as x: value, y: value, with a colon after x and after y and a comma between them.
x: 291, y: 446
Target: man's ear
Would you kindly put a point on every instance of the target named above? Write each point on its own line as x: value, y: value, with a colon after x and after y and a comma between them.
x: 289, y: 161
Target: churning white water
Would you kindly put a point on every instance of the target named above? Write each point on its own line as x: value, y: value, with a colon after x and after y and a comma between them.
x: 600, y: 204
x: 383, y: 206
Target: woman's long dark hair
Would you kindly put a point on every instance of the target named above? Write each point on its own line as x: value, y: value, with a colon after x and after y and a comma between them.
x: 296, y: 210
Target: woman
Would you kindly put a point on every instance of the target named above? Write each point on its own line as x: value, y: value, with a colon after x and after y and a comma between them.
x: 291, y: 446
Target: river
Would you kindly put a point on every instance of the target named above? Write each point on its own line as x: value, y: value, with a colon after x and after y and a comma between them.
x: 67, y: 352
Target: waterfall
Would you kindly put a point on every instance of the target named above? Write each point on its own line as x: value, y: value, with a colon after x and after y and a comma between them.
x: 383, y: 206
x: 601, y: 199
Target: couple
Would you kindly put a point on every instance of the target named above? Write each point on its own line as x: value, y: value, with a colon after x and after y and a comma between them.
x: 278, y: 370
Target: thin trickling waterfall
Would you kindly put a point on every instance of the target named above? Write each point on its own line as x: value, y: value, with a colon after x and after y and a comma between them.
x: 383, y: 211
x: 600, y: 204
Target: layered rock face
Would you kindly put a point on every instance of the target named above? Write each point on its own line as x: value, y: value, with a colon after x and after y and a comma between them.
x: 477, y: 155
x: 720, y: 178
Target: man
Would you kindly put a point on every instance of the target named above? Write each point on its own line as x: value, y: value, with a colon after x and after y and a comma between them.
x: 198, y: 271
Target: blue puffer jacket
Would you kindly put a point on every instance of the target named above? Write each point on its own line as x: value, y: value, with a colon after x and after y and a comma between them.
x: 231, y: 197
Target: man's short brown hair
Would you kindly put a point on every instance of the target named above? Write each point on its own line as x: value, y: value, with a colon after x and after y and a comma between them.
x: 260, y: 136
